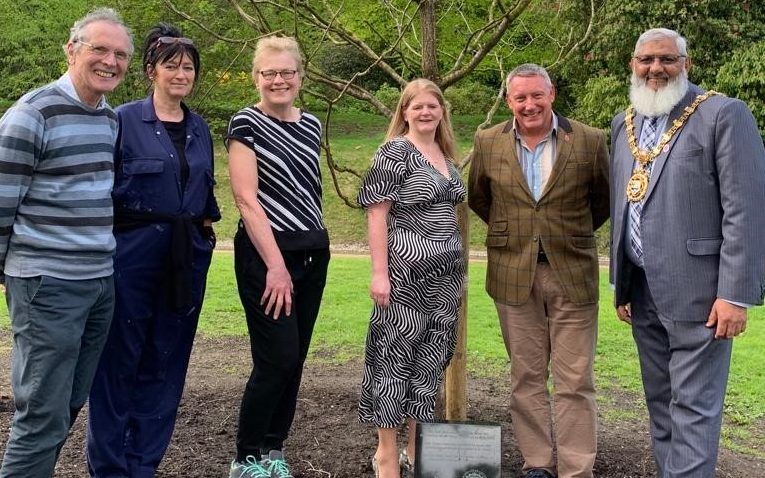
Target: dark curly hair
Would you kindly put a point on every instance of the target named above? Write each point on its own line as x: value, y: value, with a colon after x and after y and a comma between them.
x: 156, y: 52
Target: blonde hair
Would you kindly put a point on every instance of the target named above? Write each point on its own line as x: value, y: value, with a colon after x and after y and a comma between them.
x: 275, y: 44
x: 444, y: 133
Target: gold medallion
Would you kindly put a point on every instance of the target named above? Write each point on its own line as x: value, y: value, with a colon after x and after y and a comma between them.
x: 637, y: 186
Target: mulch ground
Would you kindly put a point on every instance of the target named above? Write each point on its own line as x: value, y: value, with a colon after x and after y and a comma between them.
x: 327, y: 441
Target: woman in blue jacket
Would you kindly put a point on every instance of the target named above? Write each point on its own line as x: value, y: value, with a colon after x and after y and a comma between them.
x: 163, y: 210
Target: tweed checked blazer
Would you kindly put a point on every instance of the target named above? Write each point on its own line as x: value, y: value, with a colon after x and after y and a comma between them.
x: 573, y: 204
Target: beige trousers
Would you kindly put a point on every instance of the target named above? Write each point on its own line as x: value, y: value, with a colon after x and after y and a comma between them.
x: 549, y: 332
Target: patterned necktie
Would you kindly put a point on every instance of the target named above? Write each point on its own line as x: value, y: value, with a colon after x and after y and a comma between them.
x: 647, y: 142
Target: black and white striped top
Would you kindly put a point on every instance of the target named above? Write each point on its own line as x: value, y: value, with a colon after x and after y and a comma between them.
x: 289, y: 178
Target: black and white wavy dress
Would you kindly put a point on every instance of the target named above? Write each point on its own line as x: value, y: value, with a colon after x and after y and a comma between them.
x: 410, y: 343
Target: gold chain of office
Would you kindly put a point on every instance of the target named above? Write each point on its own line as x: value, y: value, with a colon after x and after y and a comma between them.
x: 637, y: 186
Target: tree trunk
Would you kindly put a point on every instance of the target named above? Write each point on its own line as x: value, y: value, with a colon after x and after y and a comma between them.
x: 429, y: 44
x: 456, y: 374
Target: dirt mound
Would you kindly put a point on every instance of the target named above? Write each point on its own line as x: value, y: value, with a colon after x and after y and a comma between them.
x: 327, y: 440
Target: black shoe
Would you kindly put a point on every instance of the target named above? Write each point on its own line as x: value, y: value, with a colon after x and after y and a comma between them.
x: 538, y: 473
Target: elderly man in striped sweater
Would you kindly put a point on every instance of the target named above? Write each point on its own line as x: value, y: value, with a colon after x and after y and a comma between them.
x: 56, y: 242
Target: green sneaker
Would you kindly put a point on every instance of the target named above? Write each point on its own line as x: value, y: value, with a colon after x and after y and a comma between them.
x: 276, y: 465
x: 250, y: 468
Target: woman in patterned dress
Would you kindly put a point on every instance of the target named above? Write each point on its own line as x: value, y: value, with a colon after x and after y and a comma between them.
x: 417, y: 270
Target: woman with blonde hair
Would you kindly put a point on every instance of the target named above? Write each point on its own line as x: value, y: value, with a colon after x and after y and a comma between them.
x: 418, y: 271
x: 281, y: 250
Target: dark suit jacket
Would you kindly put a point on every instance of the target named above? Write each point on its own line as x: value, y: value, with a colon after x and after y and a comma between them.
x: 702, y: 221
x: 573, y: 205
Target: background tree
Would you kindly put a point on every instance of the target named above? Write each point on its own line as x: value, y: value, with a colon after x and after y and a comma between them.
x: 25, y: 60
x: 722, y: 37
x: 34, y: 31
x: 592, y: 83
x: 743, y: 75
x: 353, y: 46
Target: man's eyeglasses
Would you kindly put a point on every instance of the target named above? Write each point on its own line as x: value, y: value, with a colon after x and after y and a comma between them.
x: 103, y: 52
x: 667, y: 60
x: 173, y: 41
x: 270, y: 75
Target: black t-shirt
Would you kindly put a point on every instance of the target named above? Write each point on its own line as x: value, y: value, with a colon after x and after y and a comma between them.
x: 177, y: 133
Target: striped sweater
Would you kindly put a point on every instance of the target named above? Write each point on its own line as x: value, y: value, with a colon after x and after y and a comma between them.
x: 56, y: 177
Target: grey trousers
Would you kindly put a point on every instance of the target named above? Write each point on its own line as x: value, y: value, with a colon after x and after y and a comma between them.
x: 59, y: 329
x: 685, y: 373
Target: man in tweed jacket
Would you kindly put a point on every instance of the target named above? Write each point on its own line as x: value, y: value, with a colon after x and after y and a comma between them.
x: 540, y: 182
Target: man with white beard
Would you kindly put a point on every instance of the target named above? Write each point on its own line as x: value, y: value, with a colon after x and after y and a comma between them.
x: 687, y: 259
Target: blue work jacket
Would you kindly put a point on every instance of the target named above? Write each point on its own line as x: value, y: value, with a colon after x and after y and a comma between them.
x: 147, y: 168
x: 148, y: 186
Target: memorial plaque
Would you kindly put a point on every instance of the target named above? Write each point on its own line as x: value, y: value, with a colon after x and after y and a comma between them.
x: 458, y: 450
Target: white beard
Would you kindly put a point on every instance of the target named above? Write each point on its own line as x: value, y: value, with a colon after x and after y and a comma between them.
x: 652, y: 103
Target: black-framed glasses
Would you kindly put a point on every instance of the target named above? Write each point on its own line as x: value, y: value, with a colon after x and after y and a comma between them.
x: 270, y: 75
x: 666, y: 60
x: 173, y: 41
x: 103, y: 52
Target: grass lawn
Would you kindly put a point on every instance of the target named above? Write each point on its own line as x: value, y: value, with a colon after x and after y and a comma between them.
x: 342, y: 325
x: 341, y: 328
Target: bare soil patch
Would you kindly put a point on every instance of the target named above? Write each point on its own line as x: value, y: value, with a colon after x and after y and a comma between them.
x: 327, y: 441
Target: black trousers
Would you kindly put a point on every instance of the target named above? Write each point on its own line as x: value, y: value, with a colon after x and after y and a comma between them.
x: 279, y: 347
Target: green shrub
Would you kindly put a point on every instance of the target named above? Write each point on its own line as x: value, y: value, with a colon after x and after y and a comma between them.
x: 470, y: 98
x: 388, y: 95
x: 221, y: 94
x: 743, y: 77
x: 599, y: 100
x: 344, y: 61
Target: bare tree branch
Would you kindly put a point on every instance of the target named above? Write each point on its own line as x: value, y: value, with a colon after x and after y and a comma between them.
x: 205, y: 28
x: 333, y: 167
x: 564, y: 54
x: 349, y: 88
x: 250, y: 20
x: 503, y: 24
x: 499, y: 99
x: 315, y: 18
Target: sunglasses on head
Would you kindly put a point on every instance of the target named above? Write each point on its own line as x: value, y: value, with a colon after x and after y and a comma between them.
x: 173, y: 41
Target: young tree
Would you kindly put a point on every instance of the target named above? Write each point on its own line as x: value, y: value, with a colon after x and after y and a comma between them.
x: 443, y: 40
